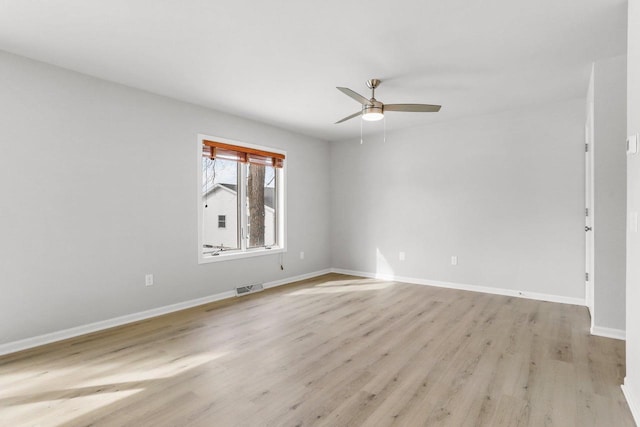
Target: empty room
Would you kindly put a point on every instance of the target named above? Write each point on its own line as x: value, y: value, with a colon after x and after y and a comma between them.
x: 413, y: 213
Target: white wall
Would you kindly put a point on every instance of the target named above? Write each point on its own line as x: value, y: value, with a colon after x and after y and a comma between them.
x: 503, y: 192
x: 98, y: 186
x: 632, y: 380
x: 610, y: 189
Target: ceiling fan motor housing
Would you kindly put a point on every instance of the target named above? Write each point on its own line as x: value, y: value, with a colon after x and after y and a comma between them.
x: 374, y: 111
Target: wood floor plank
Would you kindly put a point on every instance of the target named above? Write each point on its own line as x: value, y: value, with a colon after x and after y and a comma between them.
x: 334, y: 350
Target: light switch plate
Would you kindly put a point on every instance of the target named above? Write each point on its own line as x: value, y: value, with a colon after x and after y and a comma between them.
x: 632, y: 144
x: 633, y: 222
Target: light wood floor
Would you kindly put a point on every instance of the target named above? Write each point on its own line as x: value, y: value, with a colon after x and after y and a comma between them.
x: 332, y: 351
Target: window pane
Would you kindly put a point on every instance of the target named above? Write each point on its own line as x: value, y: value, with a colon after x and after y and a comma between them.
x: 261, y: 205
x: 220, y: 205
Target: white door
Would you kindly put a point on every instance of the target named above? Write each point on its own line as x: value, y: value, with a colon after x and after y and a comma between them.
x: 588, y: 218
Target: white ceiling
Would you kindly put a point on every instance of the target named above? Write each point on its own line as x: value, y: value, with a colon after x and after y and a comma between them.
x: 279, y: 61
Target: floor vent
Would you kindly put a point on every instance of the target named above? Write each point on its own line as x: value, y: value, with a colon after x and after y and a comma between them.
x: 249, y: 289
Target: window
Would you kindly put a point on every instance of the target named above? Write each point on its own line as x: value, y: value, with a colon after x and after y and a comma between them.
x: 241, y: 199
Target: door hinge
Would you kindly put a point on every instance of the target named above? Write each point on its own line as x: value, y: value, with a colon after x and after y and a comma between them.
x: 586, y: 148
x: 586, y: 211
x: 586, y: 276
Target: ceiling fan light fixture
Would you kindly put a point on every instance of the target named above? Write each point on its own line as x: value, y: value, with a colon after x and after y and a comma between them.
x: 372, y: 114
x: 373, y: 117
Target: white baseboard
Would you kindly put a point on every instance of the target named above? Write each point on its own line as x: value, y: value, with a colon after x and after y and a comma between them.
x: 39, y: 340
x: 466, y: 287
x: 601, y: 331
x: 633, y: 400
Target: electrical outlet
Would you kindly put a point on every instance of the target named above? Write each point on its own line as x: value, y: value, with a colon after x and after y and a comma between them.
x: 148, y: 280
x: 301, y: 255
x: 401, y: 256
x: 454, y: 260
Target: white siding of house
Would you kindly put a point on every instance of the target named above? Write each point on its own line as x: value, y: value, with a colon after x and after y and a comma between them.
x: 223, y: 201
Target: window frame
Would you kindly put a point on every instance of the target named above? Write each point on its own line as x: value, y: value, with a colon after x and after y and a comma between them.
x: 279, y: 199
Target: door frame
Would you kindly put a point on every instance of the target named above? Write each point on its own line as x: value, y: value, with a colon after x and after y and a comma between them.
x: 589, y: 218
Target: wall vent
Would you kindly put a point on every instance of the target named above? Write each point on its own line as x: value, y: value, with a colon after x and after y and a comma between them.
x: 249, y: 289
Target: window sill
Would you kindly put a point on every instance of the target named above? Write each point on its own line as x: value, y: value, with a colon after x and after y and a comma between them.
x: 231, y: 255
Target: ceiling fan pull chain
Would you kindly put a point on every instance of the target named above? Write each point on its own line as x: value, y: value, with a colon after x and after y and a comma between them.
x: 384, y: 138
x: 360, y: 131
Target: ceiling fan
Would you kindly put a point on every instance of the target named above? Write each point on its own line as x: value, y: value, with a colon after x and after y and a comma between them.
x: 373, y: 110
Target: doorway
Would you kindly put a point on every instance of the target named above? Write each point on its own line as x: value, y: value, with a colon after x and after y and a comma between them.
x: 589, y: 212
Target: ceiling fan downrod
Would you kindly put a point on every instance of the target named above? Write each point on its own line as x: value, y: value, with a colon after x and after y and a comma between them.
x: 373, y: 84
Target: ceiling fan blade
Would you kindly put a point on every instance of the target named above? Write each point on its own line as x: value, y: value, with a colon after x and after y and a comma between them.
x: 359, y: 113
x: 418, y: 108
x: 361, y: 99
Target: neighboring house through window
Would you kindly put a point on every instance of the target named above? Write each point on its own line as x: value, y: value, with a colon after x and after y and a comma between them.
x: 241, y: 199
